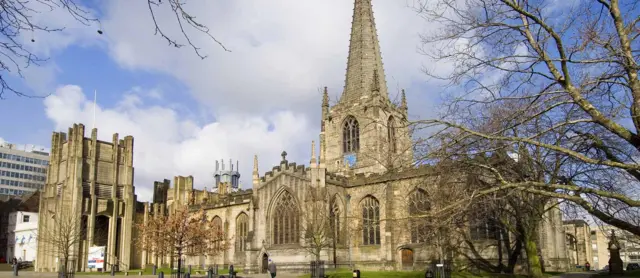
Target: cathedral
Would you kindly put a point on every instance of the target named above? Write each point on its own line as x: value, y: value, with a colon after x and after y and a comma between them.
x: 361, y: 170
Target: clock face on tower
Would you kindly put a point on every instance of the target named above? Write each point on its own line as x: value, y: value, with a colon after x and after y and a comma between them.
x: 350, y: 160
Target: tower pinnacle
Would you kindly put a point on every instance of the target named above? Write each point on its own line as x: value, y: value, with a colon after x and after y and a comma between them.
x: 365, y: 73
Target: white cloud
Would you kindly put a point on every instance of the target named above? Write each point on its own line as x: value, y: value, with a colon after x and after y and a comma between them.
x: 283, y: 50
x: 166, y: 145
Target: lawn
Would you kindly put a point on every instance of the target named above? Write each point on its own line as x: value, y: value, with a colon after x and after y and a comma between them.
x: 345, y: 273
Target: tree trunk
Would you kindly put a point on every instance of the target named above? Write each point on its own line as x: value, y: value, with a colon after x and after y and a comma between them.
x: 533, y: 260
x: 179, y: 264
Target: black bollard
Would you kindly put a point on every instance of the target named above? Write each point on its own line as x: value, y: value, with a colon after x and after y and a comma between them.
x: 154, y: 268
x: 161, y: 275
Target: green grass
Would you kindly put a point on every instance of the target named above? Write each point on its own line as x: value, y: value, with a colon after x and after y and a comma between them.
x: 149, y: 271
x: 7, y: 267
x: 345, y: 273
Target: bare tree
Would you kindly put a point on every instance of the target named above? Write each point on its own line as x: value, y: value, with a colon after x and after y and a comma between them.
x: 318, y: 228
x: 182, y: 232
x: 17, y: 22
x: 63, y: 237
x: 565, y: 87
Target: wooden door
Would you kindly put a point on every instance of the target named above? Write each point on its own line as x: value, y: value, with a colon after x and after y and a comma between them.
x: 265, y: 263
x: 407, y: 258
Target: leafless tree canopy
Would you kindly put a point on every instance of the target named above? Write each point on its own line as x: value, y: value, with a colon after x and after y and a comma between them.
x: 557, y: 79
x: 18, y: 27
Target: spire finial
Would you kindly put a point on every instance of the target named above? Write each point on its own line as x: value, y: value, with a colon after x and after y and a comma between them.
x: 313, y: 153
x: 325, y: 98
x: 403, y: 102
x: 284, y: 156
x: 255, y: 164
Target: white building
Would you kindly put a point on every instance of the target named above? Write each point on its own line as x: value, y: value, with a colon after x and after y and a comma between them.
x: 21, y: 235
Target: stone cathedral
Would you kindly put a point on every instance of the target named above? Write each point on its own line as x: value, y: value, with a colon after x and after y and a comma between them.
x: 361, y: 170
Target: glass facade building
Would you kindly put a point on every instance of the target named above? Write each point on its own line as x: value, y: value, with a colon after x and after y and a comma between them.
x: 21, y: 171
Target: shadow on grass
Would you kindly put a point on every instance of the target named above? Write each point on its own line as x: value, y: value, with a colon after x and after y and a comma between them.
x: 345, y: 273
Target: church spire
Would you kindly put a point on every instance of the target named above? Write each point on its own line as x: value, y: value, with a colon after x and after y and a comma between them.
x: 365, y: 74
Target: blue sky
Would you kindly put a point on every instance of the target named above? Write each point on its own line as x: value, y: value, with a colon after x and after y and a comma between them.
x: 184, y: 112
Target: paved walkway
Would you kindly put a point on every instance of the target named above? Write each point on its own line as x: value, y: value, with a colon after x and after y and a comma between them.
x: 7, y: 274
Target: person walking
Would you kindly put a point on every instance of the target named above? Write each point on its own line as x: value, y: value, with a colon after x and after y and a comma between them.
x: 14, y: 264
x: 272, y: 268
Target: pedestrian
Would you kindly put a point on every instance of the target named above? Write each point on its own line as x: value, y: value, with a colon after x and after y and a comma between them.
x: 587, y: 266
x: 14, y: 264
x: 272, y: 268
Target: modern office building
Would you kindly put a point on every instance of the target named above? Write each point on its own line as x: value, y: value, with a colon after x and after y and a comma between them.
x: 22, y: 170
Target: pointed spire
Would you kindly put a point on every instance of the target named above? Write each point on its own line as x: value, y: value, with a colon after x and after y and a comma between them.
x: 403, y: 103
x: 325, y: 98
x: 325, y: 107
x: 322, y: 152
x: 256, y: 175
x: 364, y: 64
x: 255, y: 164
x: 313, y: 161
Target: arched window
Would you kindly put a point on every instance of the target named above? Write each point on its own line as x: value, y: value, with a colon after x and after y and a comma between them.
x: 334, y: 217
x: 483, y: 224
x: 418, y: 206
x: 370, y: 221
x: 216, y: 225
x: 286, y: 220
x: 242, y: 231
x: 350, y: 135
x: 391, y: 135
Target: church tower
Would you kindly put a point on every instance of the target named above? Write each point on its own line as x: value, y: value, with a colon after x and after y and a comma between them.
x: 364, y: 132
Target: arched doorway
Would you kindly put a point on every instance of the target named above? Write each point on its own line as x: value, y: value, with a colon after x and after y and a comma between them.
x: 407, y: 258
x: 265, y: 263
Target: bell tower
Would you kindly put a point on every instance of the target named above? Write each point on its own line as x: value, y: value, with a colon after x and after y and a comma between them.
x: 364, y: 132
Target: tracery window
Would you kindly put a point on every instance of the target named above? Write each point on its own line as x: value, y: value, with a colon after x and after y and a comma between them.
x: 370, y: 221
x: 334, y: 217
x: 286, y: 220
x: 418, y: 206
x: 350, y: 135
x: 242, y: 231
x: 216, y: 225
x: 391, y: 135
x: 483, y: 225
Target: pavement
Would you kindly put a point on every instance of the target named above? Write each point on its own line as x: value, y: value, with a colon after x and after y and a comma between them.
x: 4, y: 274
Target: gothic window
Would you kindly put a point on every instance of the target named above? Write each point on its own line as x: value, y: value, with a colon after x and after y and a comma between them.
x: 391, y: 135
x: 350, y: 135
x: 242, y: 231
x: 334, y: 216
x: 483, y: 225
x: 418, y: 206
x: 216, y: 224
x: 286, y: 220
x: 370, y: 221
